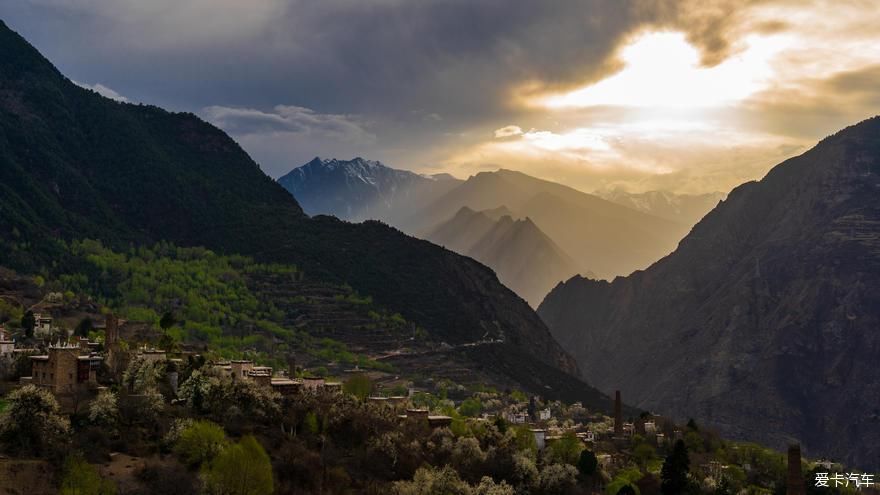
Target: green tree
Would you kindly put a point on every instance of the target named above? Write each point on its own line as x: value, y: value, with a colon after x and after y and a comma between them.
x: 525, y: 439
x: 167, y: 321
x: 32, y: 422
x: 566, y: 450
x: 587, y: 463
x: 84, y: 327
x: 200, y: 443
x: 81, y: 478
x: 28, y: 323
x: 240, y: 469
x: 674, y: 474
x: 694, y: 441
x: 470, y: 407
x: 643, y: 453
x: 359, y: 386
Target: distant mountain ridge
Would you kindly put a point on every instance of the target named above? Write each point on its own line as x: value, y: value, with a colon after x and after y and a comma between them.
x: 686, y: 209
x: 358, y: 189
x: 525, y: 259
x: 764, y: 322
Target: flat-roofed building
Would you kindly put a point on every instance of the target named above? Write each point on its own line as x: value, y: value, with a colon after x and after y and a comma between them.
x: 65, y: 372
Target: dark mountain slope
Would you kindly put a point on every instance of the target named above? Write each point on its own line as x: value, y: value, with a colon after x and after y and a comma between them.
x: 765, y: 321
x: 74, y: 164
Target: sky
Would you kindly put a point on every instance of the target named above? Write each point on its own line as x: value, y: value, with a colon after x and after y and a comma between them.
x: 683, y: 95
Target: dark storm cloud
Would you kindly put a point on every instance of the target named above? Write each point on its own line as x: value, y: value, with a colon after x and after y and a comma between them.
x: 453, y: 58
x: 288, y: 119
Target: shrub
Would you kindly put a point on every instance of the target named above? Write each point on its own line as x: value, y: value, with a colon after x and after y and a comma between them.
x: 240, y: 469
x: 200, y: 443
x: 81, y: 478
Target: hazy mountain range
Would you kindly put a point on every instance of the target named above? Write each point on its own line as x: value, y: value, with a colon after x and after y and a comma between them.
x: 685, y: 209
x: 568, y: 232
x: 525, y: 259
x: 764, y: 322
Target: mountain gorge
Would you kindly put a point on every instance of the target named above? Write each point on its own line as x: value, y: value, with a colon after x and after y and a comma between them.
x: 76, y: 165
x: 763, y: 323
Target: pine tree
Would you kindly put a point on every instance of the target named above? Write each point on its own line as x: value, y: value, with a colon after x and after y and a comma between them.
x: 674, y: 475
x: 28, y: 322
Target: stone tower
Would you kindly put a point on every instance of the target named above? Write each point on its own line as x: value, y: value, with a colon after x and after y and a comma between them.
x: 795, y: 483
x: 111, y: 332
x: 618, y: 415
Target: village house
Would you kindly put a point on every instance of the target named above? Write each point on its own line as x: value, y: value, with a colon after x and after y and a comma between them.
x: 661, y: 439
x: 544, y: 414
x: 152, y: 355
x: 66, y: 372
x: 587, y: 436
x: 424, y: 417
x: 244, y: 369
x: 439, y: 421
x: 285, y: 386
x: 42, y: 325
x: 540, y: 438
x: 7, y: 345
x: 320, y: 385
x: 517, y: 417
x: 393, y: 400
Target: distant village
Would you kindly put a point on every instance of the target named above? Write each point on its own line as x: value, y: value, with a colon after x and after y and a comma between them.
x: 71, y: 368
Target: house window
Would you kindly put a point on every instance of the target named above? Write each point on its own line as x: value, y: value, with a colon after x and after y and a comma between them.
x: 70, y: 376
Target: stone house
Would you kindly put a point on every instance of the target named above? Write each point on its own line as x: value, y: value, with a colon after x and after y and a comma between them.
x: 42, y: 325
x: 7, y: 345
x: 66, y: 372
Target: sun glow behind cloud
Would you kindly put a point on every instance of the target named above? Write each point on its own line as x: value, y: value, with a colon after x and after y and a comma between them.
x: 665, y: 119
x: 662, y: 70
x: 661, y: 98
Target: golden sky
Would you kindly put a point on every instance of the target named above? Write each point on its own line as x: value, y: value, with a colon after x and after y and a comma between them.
x: 692, y: 110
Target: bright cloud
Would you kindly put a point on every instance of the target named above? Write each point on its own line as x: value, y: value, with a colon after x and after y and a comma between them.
x: 663, y: 70
x: 508, y: 131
